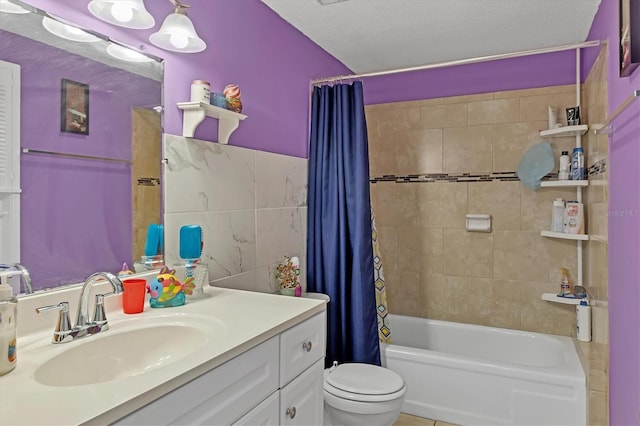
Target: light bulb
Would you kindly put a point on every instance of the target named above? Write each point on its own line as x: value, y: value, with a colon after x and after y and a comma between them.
x: 179, y: 40
x: 122, y: 12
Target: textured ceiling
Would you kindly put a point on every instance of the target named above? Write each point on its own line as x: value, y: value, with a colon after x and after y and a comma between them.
x: 375, y: 35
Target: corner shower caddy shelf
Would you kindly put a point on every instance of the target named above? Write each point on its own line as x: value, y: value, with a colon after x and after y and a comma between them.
x: 576, y: 132
x: 552, y: 297
x: 563, y: 183
x: 195, y: 112
x: 564, y: 236
x: 565, y: 131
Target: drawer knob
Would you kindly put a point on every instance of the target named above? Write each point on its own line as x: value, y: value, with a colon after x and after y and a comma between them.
x: 307, y: 346
x: 291, y: 412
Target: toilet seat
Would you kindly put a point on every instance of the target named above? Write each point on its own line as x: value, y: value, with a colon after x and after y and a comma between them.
x: 364, y: 383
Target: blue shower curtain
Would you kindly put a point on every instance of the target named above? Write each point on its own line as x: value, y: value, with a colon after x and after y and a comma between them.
x: 339, y: 248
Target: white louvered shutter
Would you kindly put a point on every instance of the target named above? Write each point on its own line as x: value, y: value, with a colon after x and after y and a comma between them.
x: 9, y: 162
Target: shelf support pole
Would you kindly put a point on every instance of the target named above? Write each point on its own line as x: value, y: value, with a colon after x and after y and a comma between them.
x: 579, y: 189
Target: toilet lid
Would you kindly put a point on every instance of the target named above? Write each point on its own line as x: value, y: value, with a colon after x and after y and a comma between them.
x: 365, y: 379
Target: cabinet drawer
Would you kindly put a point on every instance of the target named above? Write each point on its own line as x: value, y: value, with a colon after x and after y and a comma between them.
x: 220, y: 396
x: 301, y: 346
x: 265, y: 414
x: 302, y: 400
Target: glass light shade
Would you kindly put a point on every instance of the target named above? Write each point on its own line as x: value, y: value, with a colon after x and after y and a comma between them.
x: 67, y: 31
x: 123, y: 13
x: 177, y: 34
x: 7, y: 7
x: 126, y: 54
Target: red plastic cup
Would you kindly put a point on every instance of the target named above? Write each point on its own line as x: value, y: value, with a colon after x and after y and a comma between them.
x: 133, y: 297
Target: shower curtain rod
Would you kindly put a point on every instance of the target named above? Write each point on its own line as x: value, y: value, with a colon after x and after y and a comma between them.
x: 461, y: 62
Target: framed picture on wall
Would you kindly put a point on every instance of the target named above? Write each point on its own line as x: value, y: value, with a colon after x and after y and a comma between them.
x: 74, y: 111
x: 629, y: 36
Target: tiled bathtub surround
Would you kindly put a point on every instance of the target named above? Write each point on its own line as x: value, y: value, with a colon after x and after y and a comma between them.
x: 456, y: 156
x: 251, y: 206
x: 434, y: 161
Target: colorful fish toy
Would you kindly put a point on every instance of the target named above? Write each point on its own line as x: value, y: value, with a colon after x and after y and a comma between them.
x: 166, y: 290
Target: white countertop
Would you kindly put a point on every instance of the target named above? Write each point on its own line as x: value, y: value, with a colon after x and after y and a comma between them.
x: 235, y: 322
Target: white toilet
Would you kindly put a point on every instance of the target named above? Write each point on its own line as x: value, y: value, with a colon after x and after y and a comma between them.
x: 361, y: 394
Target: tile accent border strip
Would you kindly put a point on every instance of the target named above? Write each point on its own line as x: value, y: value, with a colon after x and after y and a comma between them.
x: 449, y: 177
x: 594, y: 170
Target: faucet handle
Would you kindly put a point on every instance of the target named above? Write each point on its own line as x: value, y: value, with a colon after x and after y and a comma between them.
x: 99, y: 316
x: 63, y: 326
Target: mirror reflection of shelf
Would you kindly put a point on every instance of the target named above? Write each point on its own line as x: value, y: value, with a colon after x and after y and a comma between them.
x: 195, y: 113
x: 563, y: 183
x: 564, y: 236
x: 565, y: 131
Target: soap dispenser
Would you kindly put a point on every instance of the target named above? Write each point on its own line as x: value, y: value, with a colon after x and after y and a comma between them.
x: 8, y: 315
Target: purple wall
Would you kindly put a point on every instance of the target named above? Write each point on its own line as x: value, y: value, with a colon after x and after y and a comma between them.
x: 247, y: 44
x: 63, y: 199
x: 624, y: 230
x: 506, y: 74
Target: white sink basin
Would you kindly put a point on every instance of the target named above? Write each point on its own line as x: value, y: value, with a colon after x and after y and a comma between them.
x: 118, y: 354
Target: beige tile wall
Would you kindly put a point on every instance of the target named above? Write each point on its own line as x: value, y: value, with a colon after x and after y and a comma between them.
x: 435, y: 269
x: 433, y: 266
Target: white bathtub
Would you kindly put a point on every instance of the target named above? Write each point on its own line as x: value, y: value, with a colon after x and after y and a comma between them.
x: 475, y: 375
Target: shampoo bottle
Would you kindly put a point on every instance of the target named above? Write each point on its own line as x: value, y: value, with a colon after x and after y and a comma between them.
x: 8, y: 315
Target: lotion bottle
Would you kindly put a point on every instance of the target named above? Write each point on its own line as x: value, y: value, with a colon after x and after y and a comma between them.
x: 8, y: 315
x: 583, y: 321
x: 557, y: 215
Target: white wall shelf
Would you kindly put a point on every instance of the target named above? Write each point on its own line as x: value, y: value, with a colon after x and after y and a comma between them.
x: 564, y: 236
x: 552, y: 297
x: 563, y: 183
x: 195, y: 112
x: 565, y: 131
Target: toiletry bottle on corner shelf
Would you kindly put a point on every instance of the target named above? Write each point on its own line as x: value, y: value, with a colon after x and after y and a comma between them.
x: 577, y: 164
x: 574, y: 218
x: 8, y: 315
x: 565, y: 166
x: 583, y: 321
x: 565, y: 284
x: 557, y: 215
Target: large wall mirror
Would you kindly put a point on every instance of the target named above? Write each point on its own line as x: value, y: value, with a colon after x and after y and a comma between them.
x: 90, y: 147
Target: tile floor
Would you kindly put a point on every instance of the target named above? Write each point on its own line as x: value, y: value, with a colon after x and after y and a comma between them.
x: 408, y: 420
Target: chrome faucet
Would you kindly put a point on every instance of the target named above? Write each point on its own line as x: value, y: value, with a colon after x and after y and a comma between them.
x: 82, y: 318
x: 64, y: 332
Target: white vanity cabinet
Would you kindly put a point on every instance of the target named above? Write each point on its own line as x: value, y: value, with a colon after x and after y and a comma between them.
x: 278, y: 382
x: 218, y: 397
x: 302, y: 350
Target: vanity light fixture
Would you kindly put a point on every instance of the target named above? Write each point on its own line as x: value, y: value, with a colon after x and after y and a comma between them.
x: 66, y: 31
x: 126, y: 54
x: 177, y: 32
x: 7, y: 7
x: 123, y: 13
